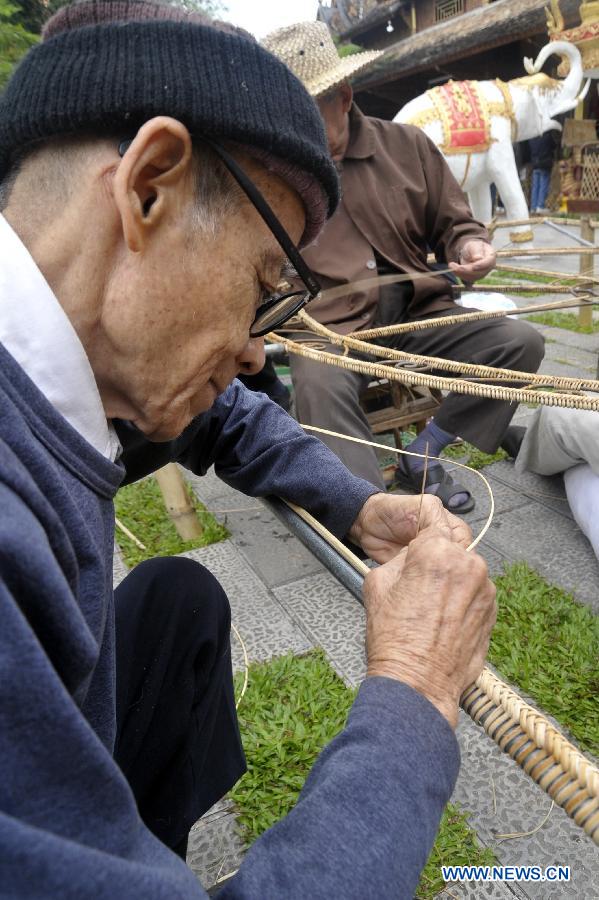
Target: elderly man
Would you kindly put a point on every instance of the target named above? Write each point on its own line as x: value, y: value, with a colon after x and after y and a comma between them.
x: 398, y: 200
x: 154, y: 175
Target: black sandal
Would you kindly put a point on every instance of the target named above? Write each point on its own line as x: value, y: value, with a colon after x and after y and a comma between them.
x: 435, y: 474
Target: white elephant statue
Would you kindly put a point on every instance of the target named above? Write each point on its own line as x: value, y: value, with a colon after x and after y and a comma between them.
x: 475, y: 124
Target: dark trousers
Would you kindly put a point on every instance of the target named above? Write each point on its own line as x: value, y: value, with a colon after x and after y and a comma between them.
x: 328, y: 397
x: 178, y: 741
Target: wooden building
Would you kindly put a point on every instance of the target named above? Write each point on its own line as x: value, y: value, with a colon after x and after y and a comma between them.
x: 427, y: 42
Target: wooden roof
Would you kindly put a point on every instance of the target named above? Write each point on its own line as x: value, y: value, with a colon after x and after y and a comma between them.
x: 343, y: 18
x: 473, y: 32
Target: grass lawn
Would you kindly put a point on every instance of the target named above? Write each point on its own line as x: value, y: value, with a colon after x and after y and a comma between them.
x: 548, y: 645
x: 141, y: 509
x: 569, y: 321
x: 471, y: 456
x: 501, y: 276
x: 293, y: 707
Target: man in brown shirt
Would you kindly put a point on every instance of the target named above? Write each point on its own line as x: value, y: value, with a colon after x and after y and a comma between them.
x: 399, y: 200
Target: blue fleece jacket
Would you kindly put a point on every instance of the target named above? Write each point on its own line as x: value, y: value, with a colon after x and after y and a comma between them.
x: 69, y: 828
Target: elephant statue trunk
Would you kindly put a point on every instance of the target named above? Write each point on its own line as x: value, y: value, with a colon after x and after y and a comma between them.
x: 568, y: 94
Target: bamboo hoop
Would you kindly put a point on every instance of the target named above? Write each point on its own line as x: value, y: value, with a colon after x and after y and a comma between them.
x: 477, y: 371
x: 405, y: 376
x: 518, y: 287
x: 537, y: 220
x: 521, y: 731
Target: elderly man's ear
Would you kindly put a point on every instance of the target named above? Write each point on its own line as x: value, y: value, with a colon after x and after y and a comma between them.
x: 151, y: 177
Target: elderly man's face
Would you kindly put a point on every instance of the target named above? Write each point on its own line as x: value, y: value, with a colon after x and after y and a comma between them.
x: 334, y: 109
x: 179, y: 310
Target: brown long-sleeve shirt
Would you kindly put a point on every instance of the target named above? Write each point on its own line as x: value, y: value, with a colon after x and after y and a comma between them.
x: 398, y: 199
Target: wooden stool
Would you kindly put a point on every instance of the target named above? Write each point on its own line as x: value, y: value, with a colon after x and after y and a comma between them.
x: 391, y: 407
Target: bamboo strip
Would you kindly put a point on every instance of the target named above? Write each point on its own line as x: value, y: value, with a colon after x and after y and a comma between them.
x: 547, y: 251
x: 462, y: 318
x: 558, y: 276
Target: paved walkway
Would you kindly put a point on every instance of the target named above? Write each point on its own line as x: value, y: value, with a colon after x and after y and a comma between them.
x: 284, y: 601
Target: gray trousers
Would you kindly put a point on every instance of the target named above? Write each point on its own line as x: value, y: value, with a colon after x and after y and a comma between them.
x: 559, y: 438
x: 329, y: 397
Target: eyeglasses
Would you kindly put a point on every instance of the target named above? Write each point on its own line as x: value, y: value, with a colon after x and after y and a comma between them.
x: 275, y: 311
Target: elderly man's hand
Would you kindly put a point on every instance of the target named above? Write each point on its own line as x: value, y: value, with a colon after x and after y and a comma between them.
x: 388, y: 522
x: 430, y: 612
x: 477, y: 258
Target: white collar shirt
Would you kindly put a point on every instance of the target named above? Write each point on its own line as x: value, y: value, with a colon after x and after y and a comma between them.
x: 39, y: 335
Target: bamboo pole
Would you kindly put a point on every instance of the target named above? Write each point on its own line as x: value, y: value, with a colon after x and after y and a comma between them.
x: 177, y: 502
x: 587, y: 267
x: 539, y: 220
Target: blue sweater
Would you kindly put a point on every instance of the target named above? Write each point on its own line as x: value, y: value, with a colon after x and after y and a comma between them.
x: 69, y: 828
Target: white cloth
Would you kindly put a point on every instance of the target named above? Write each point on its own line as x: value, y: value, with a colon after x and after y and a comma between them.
x: 488, y: 301
x: 37, y: 332
x: 582, y: 490
x: 566, y: 440
x: 559, y: 438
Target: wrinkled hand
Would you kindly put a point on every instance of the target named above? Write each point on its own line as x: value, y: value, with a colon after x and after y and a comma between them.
x: 430, y: 612
x: 388, y: 522
x: 477, y: 258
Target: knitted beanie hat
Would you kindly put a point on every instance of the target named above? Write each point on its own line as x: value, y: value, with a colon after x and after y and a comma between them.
x: 107, y: 66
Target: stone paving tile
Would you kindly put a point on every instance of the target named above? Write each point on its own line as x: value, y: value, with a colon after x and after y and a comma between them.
x: 275, y: 554
x: 211, y: 490
x: 560, y: 554
x: 505, y: 497
x: 265, y: 627
x: 551, y: 367
x: 331, y: 618
x: 545, y: 490
x: 572, y: 356
x: 588, y: 342
x: 215, y: 847
x: 495, y: 560
x: 493, y: 890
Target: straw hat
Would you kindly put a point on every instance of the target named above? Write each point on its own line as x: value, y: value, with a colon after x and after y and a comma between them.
x: 308, y: 50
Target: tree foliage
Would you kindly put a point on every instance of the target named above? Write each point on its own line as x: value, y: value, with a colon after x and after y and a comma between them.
x: 21, y: 25
x: 212, y: 8
x: 15, y: 39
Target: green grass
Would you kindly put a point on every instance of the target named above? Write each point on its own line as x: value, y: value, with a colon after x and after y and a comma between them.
x: 293, y: 707
x: 141, y: 509
x: 501, y: 276
x: 569, y: 321
x: 548, y: 645
x: 471, y: 456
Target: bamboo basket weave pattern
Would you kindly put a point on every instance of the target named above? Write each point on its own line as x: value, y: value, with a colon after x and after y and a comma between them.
x: 589, y: 188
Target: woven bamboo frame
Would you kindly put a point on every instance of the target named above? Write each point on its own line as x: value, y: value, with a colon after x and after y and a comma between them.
x: 476, y: 371
x: 527, y: 736
x: 405, y: 376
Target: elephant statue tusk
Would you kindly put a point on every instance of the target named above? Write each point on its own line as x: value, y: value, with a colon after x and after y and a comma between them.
x: 584, y: 91
x: 529, y: 66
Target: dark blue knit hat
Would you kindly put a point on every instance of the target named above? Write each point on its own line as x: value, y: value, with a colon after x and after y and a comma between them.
x: 112, y: 77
